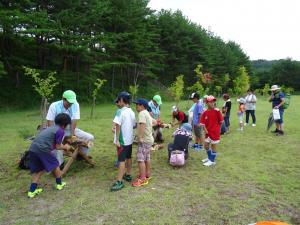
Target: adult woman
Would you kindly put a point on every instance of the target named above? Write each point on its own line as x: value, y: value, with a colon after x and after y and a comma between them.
x: 250, y: 107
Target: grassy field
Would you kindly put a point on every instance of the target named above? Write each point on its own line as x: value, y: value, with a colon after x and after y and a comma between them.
x: 257, y: 177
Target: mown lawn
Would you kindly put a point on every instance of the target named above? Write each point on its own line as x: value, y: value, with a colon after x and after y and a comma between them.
x: 257, y: 177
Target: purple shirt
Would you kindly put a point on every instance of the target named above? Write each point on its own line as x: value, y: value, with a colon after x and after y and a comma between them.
x: 198, y: 110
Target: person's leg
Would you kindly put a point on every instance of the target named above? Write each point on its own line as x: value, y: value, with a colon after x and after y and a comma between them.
x: 129, y: 166
x: 207, y: 149
x: 253, y: 116
x: 118, y: 185
x: 148, y: 168
x: 121, y: 171
x: 247, y: 116
x: 213, y: 152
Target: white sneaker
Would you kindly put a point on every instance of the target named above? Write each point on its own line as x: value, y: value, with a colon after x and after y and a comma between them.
x: 209, y: 163
x: 245, y: 124
x: 253, y: 125
x: 205, y: 160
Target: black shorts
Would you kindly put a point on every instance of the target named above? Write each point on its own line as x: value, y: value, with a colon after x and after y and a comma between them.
x: 124, y: 152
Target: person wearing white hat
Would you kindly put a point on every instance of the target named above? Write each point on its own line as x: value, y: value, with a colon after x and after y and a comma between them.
x: 277, y: 99
x: 180, y: 116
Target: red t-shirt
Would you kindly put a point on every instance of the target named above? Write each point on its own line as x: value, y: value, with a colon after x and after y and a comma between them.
x: 180, y: 117
x: 212, y: 120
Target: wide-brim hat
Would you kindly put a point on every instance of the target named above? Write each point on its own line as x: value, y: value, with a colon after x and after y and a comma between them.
x: 275, y: 87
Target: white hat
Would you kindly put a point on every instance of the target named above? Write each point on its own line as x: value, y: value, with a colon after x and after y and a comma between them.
x: 241, y: 100
x: 275, y: 87
x: 174, y: 108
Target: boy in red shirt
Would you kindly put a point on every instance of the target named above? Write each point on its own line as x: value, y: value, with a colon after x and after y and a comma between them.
x: 211, y: 120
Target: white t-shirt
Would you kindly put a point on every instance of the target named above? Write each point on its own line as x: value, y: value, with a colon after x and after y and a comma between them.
x: 125, y: 117
x: 58, y: 107
x: 249, y: 105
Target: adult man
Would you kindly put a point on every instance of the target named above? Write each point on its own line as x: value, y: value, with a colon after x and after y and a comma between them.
x: 70, y: 106
x: 250, y: 107
x: 154, y: 106
x: 277, y: 99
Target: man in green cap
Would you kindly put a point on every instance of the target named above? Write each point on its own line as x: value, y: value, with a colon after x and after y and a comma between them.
x: 70, y: 106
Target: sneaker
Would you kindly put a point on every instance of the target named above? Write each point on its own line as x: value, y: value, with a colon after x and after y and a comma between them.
x: 253, y: 125
x: 275, y: 131
x: 34, y: 193
x: 205, y: 160
x: 246, y: 124
x: 139, y: 182
x: 280, y: 133
x: 127, y: 177
x: 239, y: 129
x: 60, y: 186
x: 209, y: 163
x: 148, y: 178
x: 118, y: 185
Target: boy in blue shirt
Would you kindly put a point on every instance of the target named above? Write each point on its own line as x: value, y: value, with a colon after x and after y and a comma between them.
x: 41, y: 157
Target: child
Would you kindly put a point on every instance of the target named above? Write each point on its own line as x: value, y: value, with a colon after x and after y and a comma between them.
x: 41, y: 157
x: 145, y: 141
x: 124, y: 122
x: 226, y: 111
x: 240, y: 113
x: 198, y: 110
x: 180, y: 116
x: 211, y: 119
x: 182, y: 138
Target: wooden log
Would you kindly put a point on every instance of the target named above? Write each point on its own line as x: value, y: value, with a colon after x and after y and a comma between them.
x: 70, y: 161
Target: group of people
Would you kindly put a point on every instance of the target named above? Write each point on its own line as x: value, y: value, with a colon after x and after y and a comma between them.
x: 204, y: 119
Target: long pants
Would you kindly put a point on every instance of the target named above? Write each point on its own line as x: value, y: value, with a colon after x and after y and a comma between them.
x: 252, y: 112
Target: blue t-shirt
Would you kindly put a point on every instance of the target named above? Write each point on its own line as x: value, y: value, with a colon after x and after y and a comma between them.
x: 154, y: 109
x: 46, y: 141
x: 198, y: 110
x: 277, y: 100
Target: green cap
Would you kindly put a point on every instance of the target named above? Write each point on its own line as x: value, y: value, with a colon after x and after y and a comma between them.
x: 70, y: 96
x: 157, y: 98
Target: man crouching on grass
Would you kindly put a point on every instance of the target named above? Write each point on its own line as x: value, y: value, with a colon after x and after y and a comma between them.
x: 41, y: 157
x: 145, y: 142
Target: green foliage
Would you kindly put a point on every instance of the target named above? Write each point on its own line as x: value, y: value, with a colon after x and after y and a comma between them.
x: 133, y: 89
x: 241, y: 82
x: 98, y: 84
x: 266, y: 90
x: 176, y: 88
x: 43, y: 86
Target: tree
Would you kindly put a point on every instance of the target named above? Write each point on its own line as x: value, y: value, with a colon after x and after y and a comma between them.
x: 98, y: 84
x: 176, y: 88
x: 241, y: 83
x: 43, y: 86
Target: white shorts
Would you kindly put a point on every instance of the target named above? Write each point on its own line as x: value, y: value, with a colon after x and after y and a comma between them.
x: 209, y: 140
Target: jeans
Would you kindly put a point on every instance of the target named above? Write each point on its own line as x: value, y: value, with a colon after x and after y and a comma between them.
x: 252, y: 112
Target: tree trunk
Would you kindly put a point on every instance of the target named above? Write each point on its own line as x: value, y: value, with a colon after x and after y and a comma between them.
x: 93, y: 106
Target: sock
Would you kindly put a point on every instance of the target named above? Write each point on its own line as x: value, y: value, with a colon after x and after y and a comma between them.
x: 213, y: 156
x: 33, y: 186
x: 208, y: 153
x: 58, y: 180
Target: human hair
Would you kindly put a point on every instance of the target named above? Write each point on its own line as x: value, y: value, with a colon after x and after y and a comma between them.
x: 226, y: 96
x: 62, y: 120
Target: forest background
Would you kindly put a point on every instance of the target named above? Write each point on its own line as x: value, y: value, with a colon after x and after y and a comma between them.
x: 127, y: 44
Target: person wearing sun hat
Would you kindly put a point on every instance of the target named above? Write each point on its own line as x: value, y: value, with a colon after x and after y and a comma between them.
x: 277, y: 99
x: 211, y: 120
x: 70, y: 106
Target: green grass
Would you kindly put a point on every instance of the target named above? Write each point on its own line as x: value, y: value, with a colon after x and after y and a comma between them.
x: 257, y: 177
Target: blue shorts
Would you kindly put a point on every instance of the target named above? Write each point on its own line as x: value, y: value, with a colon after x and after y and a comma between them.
x: 280, y: 121
x: 124, y: 152
x: 42, y: 161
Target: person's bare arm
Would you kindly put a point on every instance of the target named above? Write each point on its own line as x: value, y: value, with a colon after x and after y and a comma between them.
x: 118, y: 131
x: 141, y: 132
x: 50, y: 123
x: 65, y: 147
x: 73, y: 126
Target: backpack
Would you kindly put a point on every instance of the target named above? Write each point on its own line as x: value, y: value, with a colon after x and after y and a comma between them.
x: 177, y: 158
x: 24, y: 161
x: 287, y: 99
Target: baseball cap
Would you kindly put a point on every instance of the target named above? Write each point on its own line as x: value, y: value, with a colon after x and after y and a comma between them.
x: 123, y: 95
x: 194, y: 95
x: 174, y: 108
x: 157, y: 98
x: 70, y: 96
x: 187, y: 127
x: 211, y: 98
x: 141, y: 101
